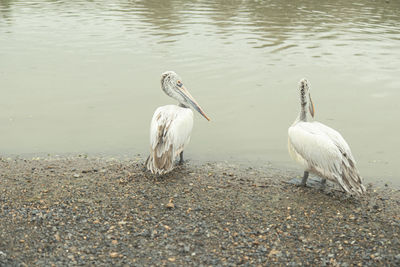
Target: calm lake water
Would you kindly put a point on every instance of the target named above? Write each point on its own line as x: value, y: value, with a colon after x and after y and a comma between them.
x: 83, y: 76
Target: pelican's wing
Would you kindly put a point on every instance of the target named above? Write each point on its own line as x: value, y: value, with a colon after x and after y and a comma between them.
x: 327, y: 153
x: 169, y: 133
x: 337, y: 139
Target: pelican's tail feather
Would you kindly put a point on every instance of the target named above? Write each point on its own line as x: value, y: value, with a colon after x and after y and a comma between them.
x: 351, y: 181
x: 161, y: 164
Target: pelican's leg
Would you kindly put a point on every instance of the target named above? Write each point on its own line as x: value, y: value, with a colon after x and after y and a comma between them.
x: 304, y: 179
x: 145, y: 164
x: 323, y: 183
x: 181, y: 158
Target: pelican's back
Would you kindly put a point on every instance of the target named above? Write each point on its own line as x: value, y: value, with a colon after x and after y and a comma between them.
x: 170, y: 131
x: 324, y: 151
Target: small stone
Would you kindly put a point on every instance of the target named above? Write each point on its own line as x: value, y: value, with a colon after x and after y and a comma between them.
x: 114, y: 254
x: 273, y: 252
x: 170, y: 205
x: 114, y: 242
x: 186, y: 248
x: 57, y: 237
x: 172, y: 259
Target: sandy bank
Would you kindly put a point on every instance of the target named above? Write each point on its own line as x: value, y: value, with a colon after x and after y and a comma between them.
x: 96, y: 211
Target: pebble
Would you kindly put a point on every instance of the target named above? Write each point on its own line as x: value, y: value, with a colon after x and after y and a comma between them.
x: 114, y: 254
x: 170, y: 205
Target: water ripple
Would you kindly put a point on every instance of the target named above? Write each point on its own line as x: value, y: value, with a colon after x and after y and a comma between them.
x: 243, y: 57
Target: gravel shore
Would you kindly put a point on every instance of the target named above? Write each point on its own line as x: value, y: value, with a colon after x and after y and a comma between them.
x: 71, y: 211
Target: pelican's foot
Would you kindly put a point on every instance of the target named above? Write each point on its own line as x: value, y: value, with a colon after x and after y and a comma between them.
x: 297, y: 181
x: 322, y: 184
x: 311, y: 182
x: 180, y: 162
x: 303, y: 181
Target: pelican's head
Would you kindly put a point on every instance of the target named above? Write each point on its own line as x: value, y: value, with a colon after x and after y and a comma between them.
x: 173, y: 86
x: 305, y: 97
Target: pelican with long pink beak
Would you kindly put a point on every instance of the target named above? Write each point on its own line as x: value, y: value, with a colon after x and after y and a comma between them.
x: 171, y: 126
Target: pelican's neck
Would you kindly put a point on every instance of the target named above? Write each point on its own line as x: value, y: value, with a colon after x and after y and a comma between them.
x: 173, y: 94
x: 304, y: 101
x: 168, y: 91
x: 303, y: 113
x: 303, y: 105
x: 183, y: 105
x: 299, y: 119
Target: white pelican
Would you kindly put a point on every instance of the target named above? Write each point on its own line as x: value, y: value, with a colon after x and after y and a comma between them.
x: 171, y: 126
x: 322, y: 150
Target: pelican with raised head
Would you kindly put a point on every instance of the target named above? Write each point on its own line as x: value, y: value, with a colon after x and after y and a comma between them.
x: 322, y: 150
x: 171, y: 126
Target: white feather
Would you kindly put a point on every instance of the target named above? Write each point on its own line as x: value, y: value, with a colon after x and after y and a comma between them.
x: 323, y: 151
x: 170, y: 131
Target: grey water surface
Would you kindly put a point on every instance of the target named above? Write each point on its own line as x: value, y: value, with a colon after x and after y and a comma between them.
x: 83, y: 76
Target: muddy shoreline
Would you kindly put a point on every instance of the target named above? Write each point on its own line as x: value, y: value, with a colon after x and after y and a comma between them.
x: 100, y: 211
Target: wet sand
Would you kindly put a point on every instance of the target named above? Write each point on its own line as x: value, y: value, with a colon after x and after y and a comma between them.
x: 99, y: 211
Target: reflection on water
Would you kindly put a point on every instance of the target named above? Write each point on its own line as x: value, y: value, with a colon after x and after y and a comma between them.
x: 83, y: 76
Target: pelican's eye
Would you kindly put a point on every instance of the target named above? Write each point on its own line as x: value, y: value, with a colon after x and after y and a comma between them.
x: 179, y: 83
